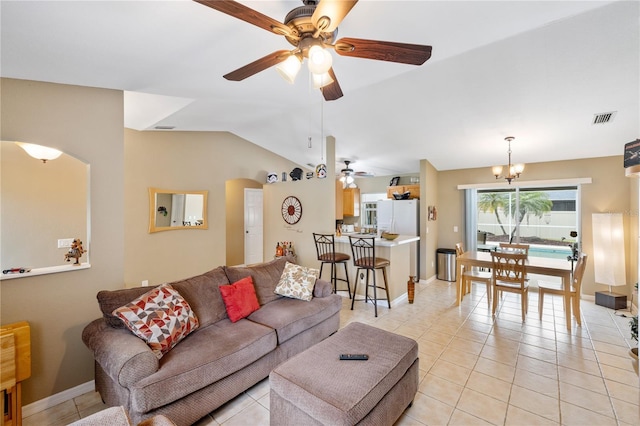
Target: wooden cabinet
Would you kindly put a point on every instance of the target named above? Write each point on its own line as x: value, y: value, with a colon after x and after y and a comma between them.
x: 351, y: 202
x: 414, y: 190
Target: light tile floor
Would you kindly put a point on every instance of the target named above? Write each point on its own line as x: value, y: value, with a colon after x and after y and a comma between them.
x: 476, y: 370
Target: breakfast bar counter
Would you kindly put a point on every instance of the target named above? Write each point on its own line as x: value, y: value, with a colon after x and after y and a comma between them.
x: 401, y: 254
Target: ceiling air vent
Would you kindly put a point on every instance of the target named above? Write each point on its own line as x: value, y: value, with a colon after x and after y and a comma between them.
x: 164, y: 127
x: 603, y: 117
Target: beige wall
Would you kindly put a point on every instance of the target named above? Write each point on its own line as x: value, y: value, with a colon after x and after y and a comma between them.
x: 609, y: 192
x: 429, y: 184
x: 185, y: 161
x: 86, y: 123
x: 41, y: 203
x: 317, y: 197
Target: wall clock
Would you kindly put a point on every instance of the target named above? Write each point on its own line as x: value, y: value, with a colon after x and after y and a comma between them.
x: 291, y: 210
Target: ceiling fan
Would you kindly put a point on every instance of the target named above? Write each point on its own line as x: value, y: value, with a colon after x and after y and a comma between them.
x: 312, y: 29
x: 347, y: 174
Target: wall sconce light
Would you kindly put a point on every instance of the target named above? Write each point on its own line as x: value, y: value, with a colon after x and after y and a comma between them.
x: 40, y: 152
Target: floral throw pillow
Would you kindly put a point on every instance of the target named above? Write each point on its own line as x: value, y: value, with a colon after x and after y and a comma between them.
x: 160, y: 317
x: 297, y: 282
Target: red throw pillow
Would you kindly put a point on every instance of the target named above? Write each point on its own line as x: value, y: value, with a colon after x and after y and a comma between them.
x: 240, y: 299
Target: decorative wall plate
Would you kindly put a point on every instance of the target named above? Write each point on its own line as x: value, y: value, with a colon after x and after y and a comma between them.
x: 291, y: 210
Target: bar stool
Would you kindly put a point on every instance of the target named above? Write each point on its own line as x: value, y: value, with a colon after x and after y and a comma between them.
x: 326, y: 250
x: 363, y: 250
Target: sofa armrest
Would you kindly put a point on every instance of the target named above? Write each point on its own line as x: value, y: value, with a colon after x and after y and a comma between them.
x: 124, y: 357
x: 322, y: 288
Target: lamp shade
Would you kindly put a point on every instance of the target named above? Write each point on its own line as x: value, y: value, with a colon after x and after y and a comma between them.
x: 289, y: 68
x: 321, y: 80
x: 319, y: 60
x: 608, y: 248
x: 40, y: 152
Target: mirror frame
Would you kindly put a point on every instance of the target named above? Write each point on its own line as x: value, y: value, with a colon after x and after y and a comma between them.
x: 153, y: 210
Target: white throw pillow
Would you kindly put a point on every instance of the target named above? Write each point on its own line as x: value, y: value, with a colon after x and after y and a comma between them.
x: 297, y: 282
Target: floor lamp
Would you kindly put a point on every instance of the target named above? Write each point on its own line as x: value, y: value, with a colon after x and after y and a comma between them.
x: 608, y: 258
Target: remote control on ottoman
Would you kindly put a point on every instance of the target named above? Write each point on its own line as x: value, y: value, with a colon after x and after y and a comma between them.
x: 354, y: 357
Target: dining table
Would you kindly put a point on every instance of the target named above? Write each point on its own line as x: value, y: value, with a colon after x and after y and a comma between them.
x: 535, y: 265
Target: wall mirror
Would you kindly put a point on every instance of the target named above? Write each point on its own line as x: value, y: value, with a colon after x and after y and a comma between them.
x: 43, y: 205
x: 170, y: 210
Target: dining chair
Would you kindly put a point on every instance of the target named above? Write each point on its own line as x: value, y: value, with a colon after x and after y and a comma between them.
x: 363, y: 250
x: 515, y: 247
x: 545, y: 287
x: 327, y: 254
x: 472, y: 275
x: 509, y: 271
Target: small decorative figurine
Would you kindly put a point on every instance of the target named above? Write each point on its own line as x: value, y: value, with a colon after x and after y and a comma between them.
x: 296, y: 174
x: 75, y: 252
x: 321, y: 171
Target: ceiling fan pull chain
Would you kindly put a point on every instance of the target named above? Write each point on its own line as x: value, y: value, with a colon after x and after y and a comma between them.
x: 322, y: 131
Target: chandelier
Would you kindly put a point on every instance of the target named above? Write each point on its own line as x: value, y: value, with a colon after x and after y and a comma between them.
x: 513, y: 170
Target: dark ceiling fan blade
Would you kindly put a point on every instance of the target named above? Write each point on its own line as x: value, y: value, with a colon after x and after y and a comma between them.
x: 413, y: 54
x: 332, y: 91
x: 329, y: 14
x: 244, y: 13
x: 257, y: 66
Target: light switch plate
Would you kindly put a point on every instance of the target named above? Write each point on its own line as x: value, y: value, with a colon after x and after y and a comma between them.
x: 65, y: 242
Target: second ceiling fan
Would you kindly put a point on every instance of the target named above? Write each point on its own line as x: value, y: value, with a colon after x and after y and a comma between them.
x: 312, y: 29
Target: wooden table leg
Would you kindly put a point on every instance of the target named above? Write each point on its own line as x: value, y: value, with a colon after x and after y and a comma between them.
x: 459, y: 284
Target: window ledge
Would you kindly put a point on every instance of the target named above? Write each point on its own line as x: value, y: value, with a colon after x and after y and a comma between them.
x: 46, y: 271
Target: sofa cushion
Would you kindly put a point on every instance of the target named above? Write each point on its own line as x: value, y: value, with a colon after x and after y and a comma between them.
x: 110, y: 300
x: 160, y: 317
x: 240, y: 299
x: 297, y: 282
x: 204, y: 357
x: 203, y: 295
x: 290, y: 317
x: 265, y: 277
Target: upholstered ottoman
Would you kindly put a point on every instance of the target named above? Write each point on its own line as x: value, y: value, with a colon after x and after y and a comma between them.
x: 316, y: 388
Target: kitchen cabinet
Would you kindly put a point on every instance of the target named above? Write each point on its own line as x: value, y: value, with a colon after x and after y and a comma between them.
x: 414, y: 190
x: 351, y: 202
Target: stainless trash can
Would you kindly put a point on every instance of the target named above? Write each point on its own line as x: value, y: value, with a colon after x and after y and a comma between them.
x: 446, y: 264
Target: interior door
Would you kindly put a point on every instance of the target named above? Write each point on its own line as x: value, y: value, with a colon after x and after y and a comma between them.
x: 253, y: 234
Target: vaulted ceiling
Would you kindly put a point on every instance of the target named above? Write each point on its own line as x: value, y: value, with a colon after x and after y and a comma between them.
x: 536, y: 70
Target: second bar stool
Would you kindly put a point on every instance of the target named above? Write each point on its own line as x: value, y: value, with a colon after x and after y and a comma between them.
x: 363, y: 250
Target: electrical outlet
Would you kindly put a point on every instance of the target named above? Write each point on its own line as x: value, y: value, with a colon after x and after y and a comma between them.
x: 145, y: 283
x: 65, y: 242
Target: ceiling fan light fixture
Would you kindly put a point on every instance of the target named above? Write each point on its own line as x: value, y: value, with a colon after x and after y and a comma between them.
x: 321, y: 80
x: 320, y: 60
x: 288, y: 69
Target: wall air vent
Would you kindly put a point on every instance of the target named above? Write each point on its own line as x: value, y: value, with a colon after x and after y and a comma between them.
x: 603, y: 117
x: 164, y: 127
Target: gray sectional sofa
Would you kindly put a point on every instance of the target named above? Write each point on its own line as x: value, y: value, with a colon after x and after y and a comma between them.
x: 216, y: 362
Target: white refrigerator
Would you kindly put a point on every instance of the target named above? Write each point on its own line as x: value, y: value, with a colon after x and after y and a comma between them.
x: 402, y: 217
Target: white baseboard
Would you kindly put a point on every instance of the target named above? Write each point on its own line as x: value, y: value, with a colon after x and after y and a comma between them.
x: 58, y: 398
